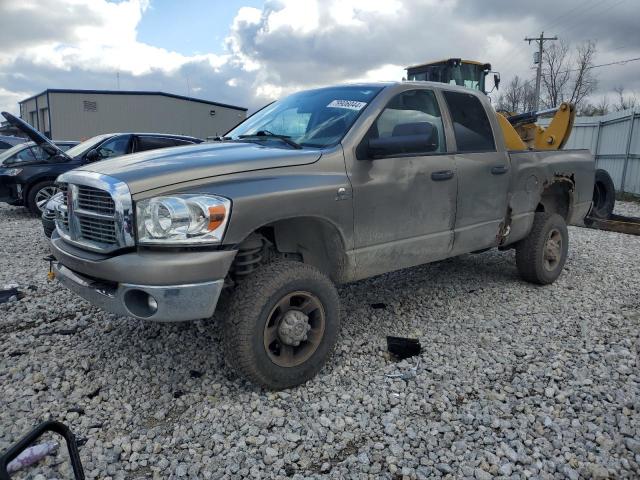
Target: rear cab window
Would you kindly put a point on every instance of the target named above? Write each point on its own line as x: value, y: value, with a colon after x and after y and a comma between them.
x: 471, y: 126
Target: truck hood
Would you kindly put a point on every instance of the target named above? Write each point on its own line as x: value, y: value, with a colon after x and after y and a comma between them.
x: 169, y: 166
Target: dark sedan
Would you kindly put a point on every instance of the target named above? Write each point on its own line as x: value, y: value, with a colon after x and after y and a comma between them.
x: 32, y: 183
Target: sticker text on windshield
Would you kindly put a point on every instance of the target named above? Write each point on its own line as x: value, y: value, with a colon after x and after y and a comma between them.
x: 348, y: 104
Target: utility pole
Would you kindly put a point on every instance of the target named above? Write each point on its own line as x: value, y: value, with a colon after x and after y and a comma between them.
x: 541, y: 39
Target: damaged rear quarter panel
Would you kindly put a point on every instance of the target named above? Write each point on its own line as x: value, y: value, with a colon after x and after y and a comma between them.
x: 535, y: 171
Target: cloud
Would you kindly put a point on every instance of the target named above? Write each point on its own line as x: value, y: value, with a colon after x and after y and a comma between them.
x: 293, y: 44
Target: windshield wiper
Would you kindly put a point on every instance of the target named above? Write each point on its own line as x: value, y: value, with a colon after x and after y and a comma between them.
x: 266, y: 133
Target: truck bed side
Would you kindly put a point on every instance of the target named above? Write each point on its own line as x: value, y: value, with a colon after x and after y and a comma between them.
x: 547, y: 180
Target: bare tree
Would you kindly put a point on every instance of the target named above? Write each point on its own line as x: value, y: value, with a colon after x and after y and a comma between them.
x: 555, y: 73
x: 624, y: 102
x: 517, y: 97
x: 568, y: 77
x: 591, y: 110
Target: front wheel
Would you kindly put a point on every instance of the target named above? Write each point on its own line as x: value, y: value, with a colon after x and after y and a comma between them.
x: 281, y: 324
x: 540, y: 257
x: 39, y: 195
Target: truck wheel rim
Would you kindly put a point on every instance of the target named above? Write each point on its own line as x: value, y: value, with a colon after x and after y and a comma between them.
x: 44, y: 195
x: 294, y: 329
x: 553, y: 250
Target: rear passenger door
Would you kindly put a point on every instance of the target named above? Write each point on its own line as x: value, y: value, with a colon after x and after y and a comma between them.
x: 483, y: 174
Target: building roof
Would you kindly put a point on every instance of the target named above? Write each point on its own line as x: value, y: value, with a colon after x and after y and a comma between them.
x: 132, y: 92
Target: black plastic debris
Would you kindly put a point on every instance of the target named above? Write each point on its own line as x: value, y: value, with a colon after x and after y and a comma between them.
x: 402, y: 348
x: 378, y: 306
x: 6, y: 295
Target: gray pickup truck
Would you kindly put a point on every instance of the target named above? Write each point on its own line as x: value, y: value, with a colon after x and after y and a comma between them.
x: 323, y: 187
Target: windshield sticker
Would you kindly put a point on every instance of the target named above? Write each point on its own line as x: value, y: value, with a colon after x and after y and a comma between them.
x: 348, y: 104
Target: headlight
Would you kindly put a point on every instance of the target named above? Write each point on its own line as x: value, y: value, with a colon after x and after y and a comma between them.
x: 12, y: 172
x: 182, y: 219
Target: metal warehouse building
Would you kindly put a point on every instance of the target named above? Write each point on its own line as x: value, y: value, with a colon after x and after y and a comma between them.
x: 80, y: 114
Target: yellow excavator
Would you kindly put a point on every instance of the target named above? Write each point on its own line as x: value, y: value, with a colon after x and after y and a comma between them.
x: 520, y: 130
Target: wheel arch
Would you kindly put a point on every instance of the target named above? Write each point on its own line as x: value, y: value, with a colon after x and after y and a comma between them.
x: 557, y: 196
x: 317, y: 240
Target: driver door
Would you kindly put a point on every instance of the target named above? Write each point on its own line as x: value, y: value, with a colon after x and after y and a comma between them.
x: 404, y: 203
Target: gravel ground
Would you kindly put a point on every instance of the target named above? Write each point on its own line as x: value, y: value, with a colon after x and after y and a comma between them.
x: 516, y: 381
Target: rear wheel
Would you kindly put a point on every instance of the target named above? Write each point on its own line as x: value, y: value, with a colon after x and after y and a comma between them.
x: 281, y: 324
x: 39, y: 195
x: 541, y: 256
x: 604, y: 195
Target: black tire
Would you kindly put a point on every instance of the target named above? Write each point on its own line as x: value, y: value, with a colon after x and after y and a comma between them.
x: 532, y: 255
x: 48, y: 228
x: 251, y: 309
x: 33, y: 195
x: 604, y: 195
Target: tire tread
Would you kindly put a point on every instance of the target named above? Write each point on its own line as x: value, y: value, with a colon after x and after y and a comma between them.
x: 248, y: 300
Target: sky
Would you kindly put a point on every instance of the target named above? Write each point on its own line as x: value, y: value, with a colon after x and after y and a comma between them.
x: 249, y: 52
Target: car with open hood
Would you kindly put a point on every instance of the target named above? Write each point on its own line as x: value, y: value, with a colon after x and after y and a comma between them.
x: 32, y: 182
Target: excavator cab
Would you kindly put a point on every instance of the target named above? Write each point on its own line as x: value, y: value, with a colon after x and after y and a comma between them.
x: 455, y: 71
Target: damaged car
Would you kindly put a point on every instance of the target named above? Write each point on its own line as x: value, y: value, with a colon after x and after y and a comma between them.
x: 323, y: 187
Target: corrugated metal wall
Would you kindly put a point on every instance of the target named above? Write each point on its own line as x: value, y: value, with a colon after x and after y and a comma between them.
x: 614, y: 140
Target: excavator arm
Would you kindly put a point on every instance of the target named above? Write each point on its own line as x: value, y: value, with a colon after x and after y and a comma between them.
x: 522, y: 133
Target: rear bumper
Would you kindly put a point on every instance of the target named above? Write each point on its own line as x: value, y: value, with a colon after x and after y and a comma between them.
x: 168, y: 303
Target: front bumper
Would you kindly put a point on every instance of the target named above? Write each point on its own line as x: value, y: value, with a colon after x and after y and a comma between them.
x: 185, y: 285
x: 10, y: 190
x: 167, y: 303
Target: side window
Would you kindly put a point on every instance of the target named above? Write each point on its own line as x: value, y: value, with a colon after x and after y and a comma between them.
x: 410, y: 123
x: 4, y: 145
x: 114, y: 147
x: 151, y: 143
x: 470, y: 123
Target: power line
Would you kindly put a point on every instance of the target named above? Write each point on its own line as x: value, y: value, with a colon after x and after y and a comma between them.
x: 618, y: 62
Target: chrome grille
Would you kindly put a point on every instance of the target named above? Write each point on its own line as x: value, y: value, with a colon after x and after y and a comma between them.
x: 95, y: 200
x: 96, y: 213
x: 98, y: 230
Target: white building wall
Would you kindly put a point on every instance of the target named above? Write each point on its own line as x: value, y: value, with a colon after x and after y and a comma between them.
x: 80, y: 115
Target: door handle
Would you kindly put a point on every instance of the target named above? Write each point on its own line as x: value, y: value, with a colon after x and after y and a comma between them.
x: 442, y: 175
x: 499, y: 170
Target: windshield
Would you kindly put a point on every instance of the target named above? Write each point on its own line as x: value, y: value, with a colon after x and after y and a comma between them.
x: 87, y: 145
x: 314, y: 118
x: 12, y: 151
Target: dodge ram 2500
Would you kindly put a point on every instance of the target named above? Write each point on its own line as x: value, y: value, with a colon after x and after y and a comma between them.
x: 322, y: 187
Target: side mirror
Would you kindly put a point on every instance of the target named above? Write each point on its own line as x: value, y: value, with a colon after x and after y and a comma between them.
x: 496, y: 79
x: 92, y: 155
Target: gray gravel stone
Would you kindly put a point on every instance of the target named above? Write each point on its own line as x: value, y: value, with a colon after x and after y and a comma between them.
x: 515, y: 381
